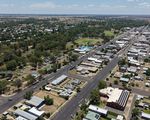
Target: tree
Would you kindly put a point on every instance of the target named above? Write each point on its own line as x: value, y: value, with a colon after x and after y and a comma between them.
x: 102, y: 84
x: 135, y: 112
x: 116, y: 82
x: 148, y: 72
x: 11, y: 65
x: 18, y: 83
x: 30, y: 79
x: 28, y: 95
x: 95, y: 97
x: 48, y: 100
x: 3, y: 85
x: 122, y: 62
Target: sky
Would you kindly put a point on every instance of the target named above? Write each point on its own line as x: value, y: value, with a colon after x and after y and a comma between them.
x: 141, y: 7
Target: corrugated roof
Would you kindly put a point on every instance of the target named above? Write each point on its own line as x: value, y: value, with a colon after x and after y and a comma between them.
x: 35, y: 101
x: 59, y: 80
x: 25, y: 114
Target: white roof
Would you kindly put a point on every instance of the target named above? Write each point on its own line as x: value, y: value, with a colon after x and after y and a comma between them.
x: 112, y: 93
x: 35, y: 101
x: 98, y: 109
x: 145, y: 115
x: 25, y: 114
x: 21, y: 118
x: 36, y: 112
x: 59, y: 80
x: 95, y: 60
x: 119, y: 117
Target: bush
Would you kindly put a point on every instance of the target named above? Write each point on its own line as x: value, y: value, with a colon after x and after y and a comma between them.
x: 116, y: 82
x: 48, y: 100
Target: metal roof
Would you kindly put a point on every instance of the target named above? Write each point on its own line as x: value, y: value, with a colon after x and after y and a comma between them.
x: 59, y: 80
x: 35, y: 101
x: 145, y: 115
x: 98, y: 110
x: 26, y: 115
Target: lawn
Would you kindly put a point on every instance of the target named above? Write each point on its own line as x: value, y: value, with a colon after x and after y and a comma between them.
x: 146, y: 111
x: 88, y: 41
x: 109, y: 33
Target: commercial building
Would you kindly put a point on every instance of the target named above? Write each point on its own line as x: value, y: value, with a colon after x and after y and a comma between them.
x: 59, y: 80
x: 117, y: 98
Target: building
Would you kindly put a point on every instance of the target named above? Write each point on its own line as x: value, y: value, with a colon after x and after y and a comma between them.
x: 20, y: 118
x: 25, y: 115
x: 117, y: 98
x: 92, y: 116
x: 122, y: 79
x: 98, y: 110
x: 145, y: 116
x: 59, y: 80
x: 35, y: 102
x: 36, y: 112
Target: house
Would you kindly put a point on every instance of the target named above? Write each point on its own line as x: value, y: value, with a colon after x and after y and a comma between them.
x: 36, y: 112
x: 145, y: 116
x: 35, y: 102
x: 98, y: 110
x: 59, y: 80
x: 24, y: 114
x: 117, y: 98
x: 122, y: 79
x: 132, y: 69
x: 20, y: 118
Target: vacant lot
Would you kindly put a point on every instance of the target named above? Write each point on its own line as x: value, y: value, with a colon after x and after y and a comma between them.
x: 88, y: 41
x: 58, y: 101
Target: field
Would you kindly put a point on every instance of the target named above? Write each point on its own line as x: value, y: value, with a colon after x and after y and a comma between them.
x: 88, y: 41
x: 109, y: 33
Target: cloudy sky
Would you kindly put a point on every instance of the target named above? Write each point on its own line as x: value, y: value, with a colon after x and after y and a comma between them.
x: 75, y: 6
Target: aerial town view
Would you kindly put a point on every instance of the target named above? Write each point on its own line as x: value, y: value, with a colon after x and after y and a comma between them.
x: 74, y: 60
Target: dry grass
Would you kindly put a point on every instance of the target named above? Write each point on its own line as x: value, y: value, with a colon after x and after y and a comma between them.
x: 58, y: 101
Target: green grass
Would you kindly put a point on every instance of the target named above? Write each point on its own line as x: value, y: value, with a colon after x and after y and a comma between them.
x: 102, y: 104
x: 109, y: 116
x: 88, y: 41
x: 146, y: 100
x: 146, y: 111
x: 109, y: 33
